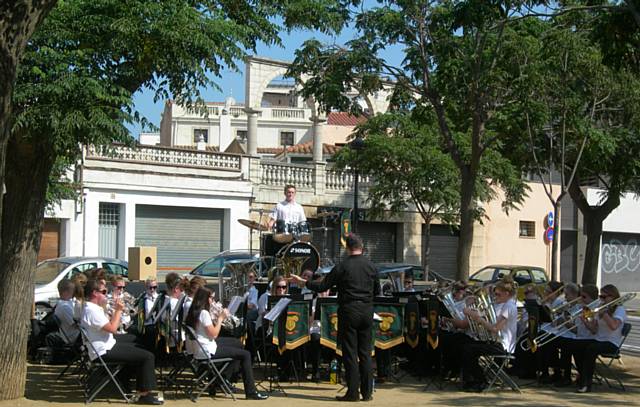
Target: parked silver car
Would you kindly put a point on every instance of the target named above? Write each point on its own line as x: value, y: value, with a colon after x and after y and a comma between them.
x: 50, y: 272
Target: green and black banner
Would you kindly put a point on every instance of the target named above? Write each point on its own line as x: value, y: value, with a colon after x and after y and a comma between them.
x: 295, y: 330
x: 412, y: 324
x: 329, y: 326
x: 390, y: 331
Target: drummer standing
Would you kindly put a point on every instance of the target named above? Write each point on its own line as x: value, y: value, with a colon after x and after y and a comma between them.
x: 288, y: 210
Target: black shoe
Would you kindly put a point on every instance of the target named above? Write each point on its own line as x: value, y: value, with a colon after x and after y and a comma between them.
x: 256, y: 396
x: 368, y: 398
x: 150, y: 399
x: 563, y: 382
x: 347, y: 398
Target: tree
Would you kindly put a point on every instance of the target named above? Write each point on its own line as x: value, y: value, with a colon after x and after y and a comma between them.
x: 75, y: 88
x: 462, y: 61
x: 18, y: 21
x: 410, y: 170
x: 598, y: 116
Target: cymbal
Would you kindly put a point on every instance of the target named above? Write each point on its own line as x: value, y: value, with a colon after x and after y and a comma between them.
x: 326, y: 214
x: 252, y: 224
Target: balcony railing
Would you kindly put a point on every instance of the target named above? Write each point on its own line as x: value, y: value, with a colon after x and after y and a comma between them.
x: 166, y: 156
x: 274, y: 173
x: 287, y: 113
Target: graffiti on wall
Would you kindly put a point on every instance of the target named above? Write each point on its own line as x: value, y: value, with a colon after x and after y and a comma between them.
x: 621, y: 256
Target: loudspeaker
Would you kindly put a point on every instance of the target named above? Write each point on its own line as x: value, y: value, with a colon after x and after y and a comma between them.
x: 142, y: 263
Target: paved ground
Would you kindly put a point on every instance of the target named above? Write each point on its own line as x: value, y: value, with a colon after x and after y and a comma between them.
x: 43, y: 389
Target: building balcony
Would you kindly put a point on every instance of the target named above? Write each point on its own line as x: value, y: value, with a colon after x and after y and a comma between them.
x: 267, y: 113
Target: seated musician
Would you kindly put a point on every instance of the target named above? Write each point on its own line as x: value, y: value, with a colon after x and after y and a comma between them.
x: 548, y: 354
x: 145, y: 324
x: 195, y: 283
x: 207, y: 327
x: 278, y: 287
x: 288, y: 211
x: 100, y: 331
x: 117, y: 291
x: 171, y: 315
x: 67, y: 332
x: 607, y: 326
x: 455, y: 334
x: 503, y: 332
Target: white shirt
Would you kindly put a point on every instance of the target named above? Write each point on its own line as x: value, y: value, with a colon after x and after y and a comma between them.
x: 93, y: 319
x: 290, y: 212
x: 148, y: 306
x: 253, y: 297
x: 262, y: 307
x: 509, y: 311
x: 605, y: 334
x: 208, y: 345
x: 64, y: 312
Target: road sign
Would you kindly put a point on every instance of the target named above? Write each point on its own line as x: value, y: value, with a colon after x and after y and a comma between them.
x: 548, y: 234
x: 550, y: 219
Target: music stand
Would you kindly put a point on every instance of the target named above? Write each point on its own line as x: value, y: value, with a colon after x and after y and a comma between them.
x: 274, y: 380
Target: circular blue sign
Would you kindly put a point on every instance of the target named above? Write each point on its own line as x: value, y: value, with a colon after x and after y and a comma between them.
x: 548, y: 234
x: 550, y: 219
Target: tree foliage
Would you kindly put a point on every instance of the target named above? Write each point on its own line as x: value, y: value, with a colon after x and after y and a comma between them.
x: 75, y: 86
x: 462, y: 63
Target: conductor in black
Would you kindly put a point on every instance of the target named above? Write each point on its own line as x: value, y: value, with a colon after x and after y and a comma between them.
x: 357, y: 283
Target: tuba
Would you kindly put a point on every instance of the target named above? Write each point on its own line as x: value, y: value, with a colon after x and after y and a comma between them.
x: 482, y: 303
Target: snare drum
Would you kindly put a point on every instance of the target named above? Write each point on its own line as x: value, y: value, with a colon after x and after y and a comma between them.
x: 283, y: 232
x: 303, y: 232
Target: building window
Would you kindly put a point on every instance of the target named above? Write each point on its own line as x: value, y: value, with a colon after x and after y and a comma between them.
x: 241, y: 135
x: 527, y: 228
x: 286, y: 138
x: 200, y: 135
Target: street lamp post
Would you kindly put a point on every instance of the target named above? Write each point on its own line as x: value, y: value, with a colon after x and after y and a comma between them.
x: 357, y: 145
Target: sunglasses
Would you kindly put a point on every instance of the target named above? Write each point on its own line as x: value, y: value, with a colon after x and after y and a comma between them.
x: 281, y: 286
x: 603, y: 296
x: 118, y: 287
x: 153, y: 287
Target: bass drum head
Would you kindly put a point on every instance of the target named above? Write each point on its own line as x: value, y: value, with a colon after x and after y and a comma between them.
x: 301, y: 250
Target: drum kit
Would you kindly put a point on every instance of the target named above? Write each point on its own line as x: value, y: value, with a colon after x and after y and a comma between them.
x: 287, y: 248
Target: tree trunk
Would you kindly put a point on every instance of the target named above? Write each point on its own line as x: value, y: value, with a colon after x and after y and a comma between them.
x: 427, y: 249
x: 467, y: 219
x: 27, y: 175
x: 18, y: 21
x: 593, y: 230
x: 594, y: 216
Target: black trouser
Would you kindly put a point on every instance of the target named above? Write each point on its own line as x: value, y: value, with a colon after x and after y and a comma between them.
x: 471, y: 370
x: 548, y: 357
x: 355, y: 320
x: 232, y: 348
x: 134, y: 357
x: 452, y: 345
x: 585, y: 353
x: 383, y: 363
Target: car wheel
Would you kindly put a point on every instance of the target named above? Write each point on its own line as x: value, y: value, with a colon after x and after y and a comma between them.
x: 42, y: 309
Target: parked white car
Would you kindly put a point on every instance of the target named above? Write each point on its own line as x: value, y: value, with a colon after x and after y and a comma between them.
x: 50, y: 272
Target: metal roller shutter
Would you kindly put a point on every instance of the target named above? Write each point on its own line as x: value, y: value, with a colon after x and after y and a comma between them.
x: 443, y: 245
x: 183, y: 236
x: 379, y: 240
x: 620, y: 260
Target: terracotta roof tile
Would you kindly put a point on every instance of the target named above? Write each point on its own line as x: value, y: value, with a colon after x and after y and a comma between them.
x: 307, y: 149
x: 344, y: 119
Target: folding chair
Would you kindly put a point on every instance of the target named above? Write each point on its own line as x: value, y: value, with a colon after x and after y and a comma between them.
x: 74, y: 348
x: 495, y: 371
x: 604, y: 368
x: 206, y: 371
x: 100, y: 374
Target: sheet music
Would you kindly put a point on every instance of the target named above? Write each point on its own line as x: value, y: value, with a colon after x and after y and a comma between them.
x: 277, y: 309
x: 234, y: 304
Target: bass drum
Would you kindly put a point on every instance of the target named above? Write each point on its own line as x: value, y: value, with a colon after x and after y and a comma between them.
x: 297, y: 257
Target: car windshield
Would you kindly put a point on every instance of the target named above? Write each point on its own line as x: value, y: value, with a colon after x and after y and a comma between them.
x: 486, y: 274
x: 47, y: 271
